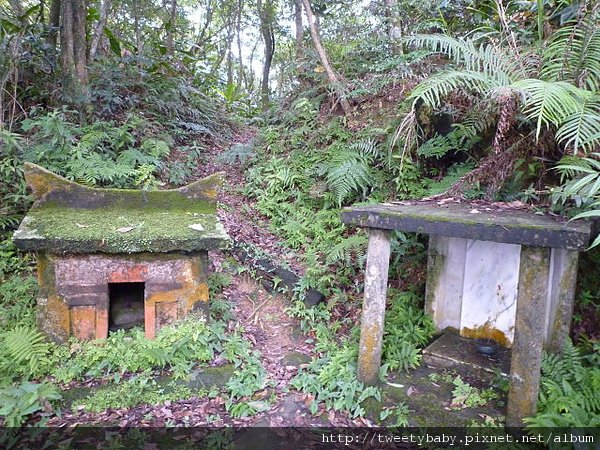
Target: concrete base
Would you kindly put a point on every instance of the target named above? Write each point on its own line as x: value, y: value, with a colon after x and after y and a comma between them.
x: 453, y: 351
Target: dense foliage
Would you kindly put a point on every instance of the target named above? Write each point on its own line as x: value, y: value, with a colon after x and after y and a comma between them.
x: 376, y: 101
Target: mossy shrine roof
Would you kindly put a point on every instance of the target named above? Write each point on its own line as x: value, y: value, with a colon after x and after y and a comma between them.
x: 71, y: 218
x: 465, y: 221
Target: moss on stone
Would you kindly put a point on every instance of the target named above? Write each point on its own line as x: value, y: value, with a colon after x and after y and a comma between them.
x: 509, y: 226
x: 70, y: 218
x: 118, y: 229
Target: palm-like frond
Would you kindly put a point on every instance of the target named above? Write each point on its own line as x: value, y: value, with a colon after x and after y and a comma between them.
x: 548, y: 103
x: 574, y: 54
x: 434, y: 89
x: 494, y: 62
x: 581, y: 130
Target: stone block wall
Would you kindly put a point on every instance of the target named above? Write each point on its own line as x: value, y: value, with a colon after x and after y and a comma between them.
x: 74, y: 290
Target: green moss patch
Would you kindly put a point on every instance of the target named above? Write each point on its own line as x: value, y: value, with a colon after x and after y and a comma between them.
x: 120, y: 229
x: 71, y: 218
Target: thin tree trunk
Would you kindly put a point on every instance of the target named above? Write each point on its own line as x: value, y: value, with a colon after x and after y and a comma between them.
x: 299, y: 29
x: 266, y: 28
x: 229, y: 62
x: 80, y: 47
x: 171, y: 28
x: 331, y: 75
x: 53, y: 23
x: 394, y: 28
x: 139, y: 45
x: 99, y: 30
x: 238, y: 31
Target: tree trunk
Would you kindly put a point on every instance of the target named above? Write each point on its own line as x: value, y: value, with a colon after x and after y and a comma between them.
x: 238, y: 31
x: 53, y: 23
x: 229, y: 62
x: 333, y: 77
x: 394, y: 29
x: 265, y: 13
x: 99, y: 30
x: 139, y: 45
x: 73, y: 49
x: 171, y: 28
x: 299, y: 29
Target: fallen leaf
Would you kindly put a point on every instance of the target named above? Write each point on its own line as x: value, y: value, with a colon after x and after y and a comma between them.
x: 475, y: 211
x: 412, y: 391
x: 196, y: 226
x: 125, y: 229
x: 516, y: 204
x: 80, y: 225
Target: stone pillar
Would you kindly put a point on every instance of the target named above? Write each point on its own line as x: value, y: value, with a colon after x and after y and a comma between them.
x: 529, y: 334
x: 373, y: 314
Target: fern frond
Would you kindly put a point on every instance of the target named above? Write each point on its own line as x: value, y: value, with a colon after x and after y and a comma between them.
x: 574, y: 54
x: 494, y: 62
x: 26, y: 351
x: 581, y: 130
x: 355, y: 245
x: 436, y: 88
x: 366, y: 147
x: 348, y: 173
x: 237, y: 153
x: 548, y: 103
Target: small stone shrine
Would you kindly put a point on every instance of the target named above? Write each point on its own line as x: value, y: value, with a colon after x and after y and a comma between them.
x: 115, y: 258
x: 504, y: 275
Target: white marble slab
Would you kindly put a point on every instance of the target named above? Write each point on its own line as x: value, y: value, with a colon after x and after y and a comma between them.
x: 491, y: 277
x: 445, y: 279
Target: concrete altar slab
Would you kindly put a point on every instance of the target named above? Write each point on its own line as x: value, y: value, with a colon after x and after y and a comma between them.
x: 70, y: 218
x: 456, y: 220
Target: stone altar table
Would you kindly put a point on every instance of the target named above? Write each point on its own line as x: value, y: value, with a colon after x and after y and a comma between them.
x: 507, y: 275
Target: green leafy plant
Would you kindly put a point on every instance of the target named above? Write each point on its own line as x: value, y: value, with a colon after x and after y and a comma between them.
x: 139, y: 389
x: 407, y: 329
x: 26, y: 353
x: 466, y: 396
x: 570, y: 390
x: 19, y: 401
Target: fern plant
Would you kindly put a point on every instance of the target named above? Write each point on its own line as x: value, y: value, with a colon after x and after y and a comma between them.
x: 25, y: 353
x: 570, y: 391
x: 349, y: 170
x: 581, y: 184
x: 561, y: 96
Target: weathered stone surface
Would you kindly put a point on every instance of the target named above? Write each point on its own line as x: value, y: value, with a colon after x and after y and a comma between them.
x: 173, y: 286
x: 373, y: 313
x: 490, y: 291
x: 71, y: 218
x: 511, y: 227
x: 445, y: 279
x: 452, y: 350
x: 207, y: 377
x: 529, y: 335
x: 270, y: 270
x: 83, y: 322
x: 561, y: 298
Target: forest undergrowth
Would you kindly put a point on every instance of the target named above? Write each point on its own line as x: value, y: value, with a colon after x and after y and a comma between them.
x: 498, y: 106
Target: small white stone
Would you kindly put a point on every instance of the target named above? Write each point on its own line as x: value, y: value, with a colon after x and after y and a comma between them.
x: 196, y: 226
